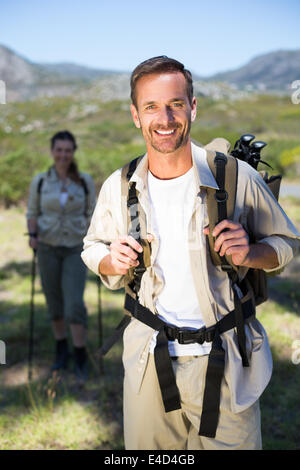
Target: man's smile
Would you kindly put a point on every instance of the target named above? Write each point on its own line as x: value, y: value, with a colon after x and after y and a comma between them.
x: 164, y: 133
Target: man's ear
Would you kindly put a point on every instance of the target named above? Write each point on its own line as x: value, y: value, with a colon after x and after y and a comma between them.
x: 135, y: 116
x: 194, y: 109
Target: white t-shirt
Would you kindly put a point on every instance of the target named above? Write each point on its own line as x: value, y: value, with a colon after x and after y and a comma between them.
x: 63, y: 197
x: 172, y: 203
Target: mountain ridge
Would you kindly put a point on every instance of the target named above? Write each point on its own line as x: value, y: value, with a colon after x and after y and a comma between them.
x: 274, y: 70
x: 24, y: 79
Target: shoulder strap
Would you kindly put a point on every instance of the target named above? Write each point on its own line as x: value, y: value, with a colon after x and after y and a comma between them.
x: 220, y: 206
x: 85, y: 187
x: 135, y: 221
x: 86, y: 193
x: 128, y: 200
x: 40, y: 183
x: 39, y: 190
x: 221, y: 202
x: 127, y: 172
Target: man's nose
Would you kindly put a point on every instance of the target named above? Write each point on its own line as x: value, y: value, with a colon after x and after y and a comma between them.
x: 166, y: 115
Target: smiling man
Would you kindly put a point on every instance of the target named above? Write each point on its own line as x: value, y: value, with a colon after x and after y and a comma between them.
x: 165, y: 120
x: 149, y: 235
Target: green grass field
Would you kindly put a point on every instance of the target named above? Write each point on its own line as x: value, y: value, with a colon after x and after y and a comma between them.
x: 53, y: 413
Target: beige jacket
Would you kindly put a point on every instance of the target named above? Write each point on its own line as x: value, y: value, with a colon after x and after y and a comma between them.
x: 256, y: 209
x: 61, y: 226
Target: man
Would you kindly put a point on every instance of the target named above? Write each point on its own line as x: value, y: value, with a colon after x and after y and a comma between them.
x: 165, y: 400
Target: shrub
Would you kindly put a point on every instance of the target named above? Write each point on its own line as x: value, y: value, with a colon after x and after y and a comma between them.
x: 17, y: 169
x: 290, y: 160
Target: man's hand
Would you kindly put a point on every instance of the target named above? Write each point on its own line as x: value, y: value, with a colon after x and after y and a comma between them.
x: 233, y: 241
x: 123, y: 256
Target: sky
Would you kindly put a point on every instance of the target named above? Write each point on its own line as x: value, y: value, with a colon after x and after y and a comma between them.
x: 207, y: 36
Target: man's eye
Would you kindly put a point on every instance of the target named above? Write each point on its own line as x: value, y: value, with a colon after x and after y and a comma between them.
x: 178, y: 105
x: 150, y: 107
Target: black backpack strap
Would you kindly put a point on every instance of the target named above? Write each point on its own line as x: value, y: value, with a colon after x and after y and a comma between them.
x: 227, y: 183
x: 86, y: 193
x: 40, y: 184
x: 128, y: 192
x: 117, y: 334
x: 39, y: 188
x: 135, y: 228
x: 39, y: 191
x: 163, y: 364
x: 221, y: 195
x: 221, y: 202
x: 220, y: 206
x: 216, y: 361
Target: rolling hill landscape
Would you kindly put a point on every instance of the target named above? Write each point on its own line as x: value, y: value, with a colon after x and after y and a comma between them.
x: 271, y: 72
x: 94, y: 105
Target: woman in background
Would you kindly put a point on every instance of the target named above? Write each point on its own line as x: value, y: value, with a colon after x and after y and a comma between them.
x: 60, y: 206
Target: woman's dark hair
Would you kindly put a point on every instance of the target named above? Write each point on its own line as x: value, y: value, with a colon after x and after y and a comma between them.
x: 160, y: 64
x: 73, y: 172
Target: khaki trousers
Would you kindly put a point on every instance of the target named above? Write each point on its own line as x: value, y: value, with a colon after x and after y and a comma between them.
x: 63, y: 276
x: 148, y: 427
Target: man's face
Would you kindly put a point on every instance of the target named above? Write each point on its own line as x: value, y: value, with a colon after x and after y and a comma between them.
x: 163, y: 111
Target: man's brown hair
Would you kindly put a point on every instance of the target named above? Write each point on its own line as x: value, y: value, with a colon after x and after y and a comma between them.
x: 160, y: 64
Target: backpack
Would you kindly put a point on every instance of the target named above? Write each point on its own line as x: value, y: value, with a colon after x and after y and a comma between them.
x: 221, y: 203
x: 248, y: 293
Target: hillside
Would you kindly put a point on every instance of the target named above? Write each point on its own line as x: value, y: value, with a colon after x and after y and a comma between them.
x: 273, y: 71
x: 26, y: 80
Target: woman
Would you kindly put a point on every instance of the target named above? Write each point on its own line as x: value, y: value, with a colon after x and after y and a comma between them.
x: 61, y: 203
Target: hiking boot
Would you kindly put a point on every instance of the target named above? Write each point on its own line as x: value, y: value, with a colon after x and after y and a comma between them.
x: 61, y: 356
x: 80, y: 369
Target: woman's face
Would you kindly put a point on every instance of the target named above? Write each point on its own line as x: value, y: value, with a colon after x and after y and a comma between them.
x: 62, y: 152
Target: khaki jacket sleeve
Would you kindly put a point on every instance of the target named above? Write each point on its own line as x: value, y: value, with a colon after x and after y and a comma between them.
x: 268, y: 223
x: 106, y: 225
x: 33, y: 199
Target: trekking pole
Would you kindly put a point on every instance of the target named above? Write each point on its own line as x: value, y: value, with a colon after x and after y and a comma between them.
x: 31, y: 318
x: 100, y: 324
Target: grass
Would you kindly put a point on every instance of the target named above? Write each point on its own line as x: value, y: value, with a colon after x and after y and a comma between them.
x: 53, y: 413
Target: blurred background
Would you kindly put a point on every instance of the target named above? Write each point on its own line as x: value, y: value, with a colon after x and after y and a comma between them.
x: 66, y: 65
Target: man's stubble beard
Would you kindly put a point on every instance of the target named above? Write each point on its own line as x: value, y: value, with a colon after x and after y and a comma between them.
x: 181, y: 140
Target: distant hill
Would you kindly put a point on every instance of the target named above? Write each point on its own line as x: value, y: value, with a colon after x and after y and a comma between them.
x: 69, y: 71
x: 273, y: 71
x: 25, y: 79
x: 14, y: 69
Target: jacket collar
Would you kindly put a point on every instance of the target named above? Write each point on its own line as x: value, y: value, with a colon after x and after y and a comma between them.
x: 52, y: 175
x: 203, y: 175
